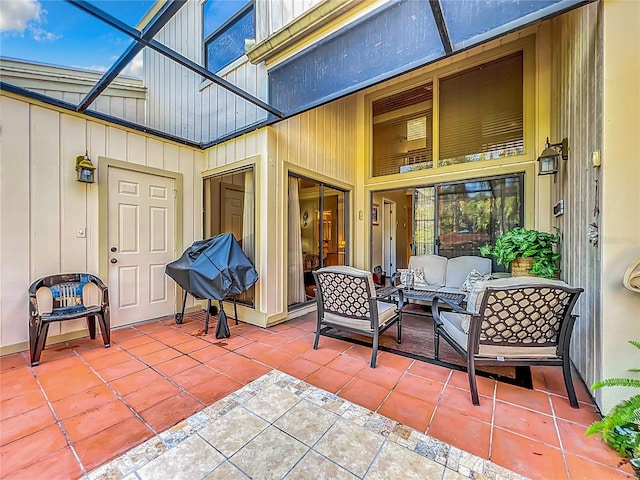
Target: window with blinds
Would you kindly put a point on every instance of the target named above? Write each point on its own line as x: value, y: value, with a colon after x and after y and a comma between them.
x: 481, y: 112
x: 402, y: 132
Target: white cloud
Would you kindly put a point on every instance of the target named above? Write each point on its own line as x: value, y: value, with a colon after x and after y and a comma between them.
x: 93, y: 68
x: 135, y: 66
x: 41, y: 35
x: 16, y: 16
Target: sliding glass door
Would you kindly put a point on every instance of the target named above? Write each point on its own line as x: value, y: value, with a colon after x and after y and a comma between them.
x: 317, y: 234
x: 473, y: 214
x: 451, y: 219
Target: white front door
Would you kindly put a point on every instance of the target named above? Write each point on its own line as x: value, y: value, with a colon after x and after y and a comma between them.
x: 141, y: 233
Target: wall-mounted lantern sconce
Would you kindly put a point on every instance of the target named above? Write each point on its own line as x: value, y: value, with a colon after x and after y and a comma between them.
x: 85, y: 170
x: 548, y: 161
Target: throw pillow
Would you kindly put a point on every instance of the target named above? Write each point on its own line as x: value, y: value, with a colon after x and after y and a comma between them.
x: 404, y: 274
x: 473, y: 277
x: 418, y: 277
x: 410, y: 277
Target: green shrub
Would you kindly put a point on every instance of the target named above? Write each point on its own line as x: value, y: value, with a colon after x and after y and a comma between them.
x: 620, y: 428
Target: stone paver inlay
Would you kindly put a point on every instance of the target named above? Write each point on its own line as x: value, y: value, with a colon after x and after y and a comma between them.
x: 307, y: 433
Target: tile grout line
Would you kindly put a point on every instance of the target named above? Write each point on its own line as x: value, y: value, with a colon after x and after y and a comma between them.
x: 493, y: 418
x: 58, y: 421
x: 437, y: 405
x: 557, y: 428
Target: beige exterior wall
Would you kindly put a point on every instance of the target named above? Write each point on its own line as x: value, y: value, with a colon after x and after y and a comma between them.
x: 42, y: 205
x: 620, y: 212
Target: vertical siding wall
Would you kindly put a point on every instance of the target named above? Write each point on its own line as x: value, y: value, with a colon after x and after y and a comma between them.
x: 181, y: 103
x: 126, y: 108
x: 124, y: 98
x: 173, y: 104
x: 42, y: 205
x: 322, y: 140
x: 576, y: 113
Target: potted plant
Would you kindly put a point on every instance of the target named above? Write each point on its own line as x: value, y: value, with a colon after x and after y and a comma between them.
x: 620, y: 428
x: 520, y: 243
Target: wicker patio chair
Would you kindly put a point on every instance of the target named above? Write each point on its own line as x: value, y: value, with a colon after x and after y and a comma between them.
x: 513, y: 321
x: 346, y: 299
x: 68, y: 301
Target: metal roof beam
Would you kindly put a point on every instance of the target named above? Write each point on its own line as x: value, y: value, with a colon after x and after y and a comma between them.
x: 438, y: 16
x: 172, y: 54
x: 166, y: 12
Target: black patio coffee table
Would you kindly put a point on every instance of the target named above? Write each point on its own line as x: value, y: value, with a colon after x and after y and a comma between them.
x: 424, y: 296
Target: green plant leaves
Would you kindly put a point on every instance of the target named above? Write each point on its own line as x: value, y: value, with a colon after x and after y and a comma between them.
x: 620, y: 428
x: 520, y: 242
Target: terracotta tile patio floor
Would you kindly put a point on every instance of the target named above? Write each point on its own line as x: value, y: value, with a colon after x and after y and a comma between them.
x: 85, y: 405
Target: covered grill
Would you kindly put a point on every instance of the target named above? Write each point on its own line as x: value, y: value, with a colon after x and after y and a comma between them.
x: 215, y: 268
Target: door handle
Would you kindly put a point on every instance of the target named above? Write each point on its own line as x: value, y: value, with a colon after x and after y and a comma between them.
x: 114, y: 260
x: 114, y: 249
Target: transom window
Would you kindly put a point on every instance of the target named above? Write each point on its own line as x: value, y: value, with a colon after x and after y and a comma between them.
x: 402, y: 132
x: 480, y: 112
x: 226, y: 26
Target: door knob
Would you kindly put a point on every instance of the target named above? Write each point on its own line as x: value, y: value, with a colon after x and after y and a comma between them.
x: 114, y: 249
x: 114, y: 260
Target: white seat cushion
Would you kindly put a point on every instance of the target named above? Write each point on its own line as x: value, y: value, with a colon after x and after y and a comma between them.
x: 386, y: 312
x: 452, y: 323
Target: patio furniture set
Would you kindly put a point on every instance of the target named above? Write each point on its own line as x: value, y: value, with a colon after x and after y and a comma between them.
x: 515, y: 321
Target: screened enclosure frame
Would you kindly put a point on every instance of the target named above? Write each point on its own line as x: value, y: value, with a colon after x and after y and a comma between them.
x: 455, y: 36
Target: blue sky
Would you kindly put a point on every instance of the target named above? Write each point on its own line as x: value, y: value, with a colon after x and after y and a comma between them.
x: 57, y: 33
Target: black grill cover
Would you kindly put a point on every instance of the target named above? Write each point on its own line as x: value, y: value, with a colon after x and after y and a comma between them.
x: 213, y: 268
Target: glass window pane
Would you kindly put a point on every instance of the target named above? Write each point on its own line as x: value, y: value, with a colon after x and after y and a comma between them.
x: 473, y: 214
x: 481, y: 112
x: 228, y: 45
x: 217, y: 12
x: 317, y: 234
x: 402, y: 132
x: 229, y: 206
x: 424, y: 221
